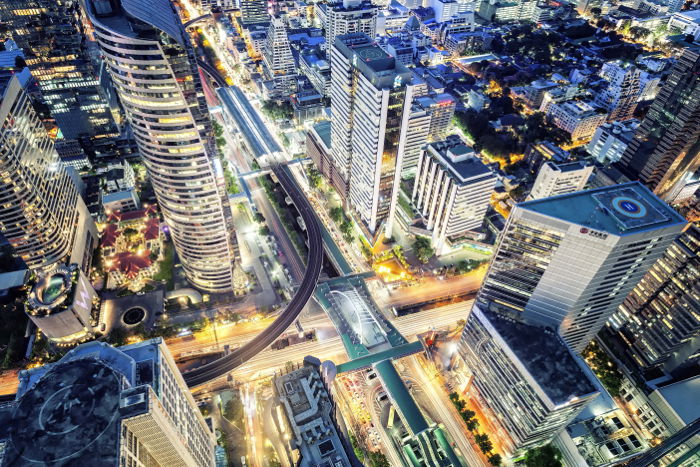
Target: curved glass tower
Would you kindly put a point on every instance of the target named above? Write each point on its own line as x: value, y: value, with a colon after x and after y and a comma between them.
x: 152, y: 64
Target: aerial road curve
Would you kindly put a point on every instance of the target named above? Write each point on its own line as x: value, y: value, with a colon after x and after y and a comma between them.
x: 224, y: 365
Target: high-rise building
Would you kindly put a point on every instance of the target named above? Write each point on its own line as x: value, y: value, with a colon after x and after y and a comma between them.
x: 452, y: 190
x: 666, y: 146
x: 278, y: 62
x: 659, y: 319
x: 371, y: 98
x: 254, y: 12
x: 52, y: 37
x: 578, y: 118
x: 153, y: 68
x: 100, y: 405
x: 610, y: 140
x: 524, y: 378
x: 620, y: 96
x: 347, y: 17
x: 42, y: 214
x: 569, y: 261
x: 558, y: 179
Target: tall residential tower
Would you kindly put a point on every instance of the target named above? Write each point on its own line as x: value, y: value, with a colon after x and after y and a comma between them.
x: 371, y: 95
x: 152, y: 64
x: 569, y: 261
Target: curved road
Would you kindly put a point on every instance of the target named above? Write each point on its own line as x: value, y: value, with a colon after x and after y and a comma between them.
x: 222, y: 366
x: 200, y: 18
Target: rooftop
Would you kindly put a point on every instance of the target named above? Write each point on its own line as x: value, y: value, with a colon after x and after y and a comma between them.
x: 545, y: 357
x: 459, y: 159
x: 619, y: 209
x: 323, y: 130
x: 683, y: 398
x: 380, y: 68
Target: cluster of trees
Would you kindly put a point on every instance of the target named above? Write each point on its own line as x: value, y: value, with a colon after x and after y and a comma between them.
x: 481, y: 439
x: 233, y: 410
x: 538, y: 44
x: 604, y: 368
x: 423, y: 249
x: 467, y: 265
x: 278, y: 110
x: 545, y: 456
x: 314, y: 177
x: 344, y: 222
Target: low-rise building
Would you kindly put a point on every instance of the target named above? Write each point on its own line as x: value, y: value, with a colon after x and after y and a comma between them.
x: 577, y: 118
x: 610, y: 140
x: 452, y: 190
x: 558, y: 179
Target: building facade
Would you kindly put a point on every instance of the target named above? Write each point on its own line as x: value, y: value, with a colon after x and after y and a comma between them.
x: 666, y: 146
x: 452, y: 190
x: 523, y: 377
x: 620, y: 96
x: 128, y: 406
x: 51, y: 35
x: 371, y: 98
x: 42, y: 214
x: 569, y: 261
x: 349, y: 16
x: 610, y: 140
x: 577, y: 118
x: 558, y: 179
x: 254, y: 12
x: 658, y: 320
x: 153, y: 68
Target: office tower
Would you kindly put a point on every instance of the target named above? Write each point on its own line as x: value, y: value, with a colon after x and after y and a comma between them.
x: 524, y: 378
x: 347, y: 17
x: 42, y: 214
x: 278, y: 62
x: 107, y: 406
x: 371, y: 98
x: 63, y: 305
x: 659, y: 319
x: 569, y: 261
x: 666, y: 146
x: 51, y: 35
x: 452, y: 190
x: 254, y: 12
x: 610, y: 140
x: 164, y: 103
x: 303, y: 397
x: 558, y: 179
x: 620, y: 96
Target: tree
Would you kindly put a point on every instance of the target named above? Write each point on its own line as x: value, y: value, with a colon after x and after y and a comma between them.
x: 595, y: 12
x: 346, y: 229
x: 314, y: 177
x: 495, y: 460
x: 423, y: 249
x: 259, y: 217
x: 544, y: 456
x: 337, y: 214
x: 233, y: 409
x: 378, y: 459
x: 473, y: 424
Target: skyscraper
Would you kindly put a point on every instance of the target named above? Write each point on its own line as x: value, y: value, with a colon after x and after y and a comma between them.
x: 41, y: 212
x: 666, y: 146
x: 254, y: 12
x: 569, y: 261
x: 371, y: 96
x: 152, y: 64
x: 349, y: 16
x: 659, y: 319
x: 278, y: 62
x: 558, y: 179
x: 100, y: 405
x: 51, y: 35
x: 524, y: 378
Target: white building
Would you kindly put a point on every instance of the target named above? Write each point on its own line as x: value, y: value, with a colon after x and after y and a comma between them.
x: 620, y: 97
x: 42, y: 214
x: 164, y: 103
x: 347, y: 17
x: 452, y: 190
x: 577, y: 118
x: 371, y: 97
x: 524, y: 379
x: 569, y: 261
x: 558, y: 179
x: 107, y: 406
x: 611, y: 139
x: 687, y: 22
x: 430, y: 117
x: 278, y: 62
